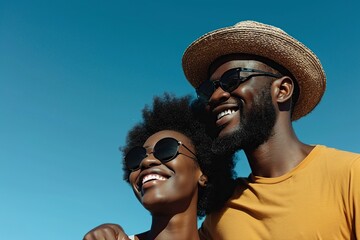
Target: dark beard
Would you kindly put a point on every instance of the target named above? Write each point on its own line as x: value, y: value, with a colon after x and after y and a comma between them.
x: 255, y: 127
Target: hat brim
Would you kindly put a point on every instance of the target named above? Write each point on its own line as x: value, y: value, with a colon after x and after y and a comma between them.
x: 271, y: 43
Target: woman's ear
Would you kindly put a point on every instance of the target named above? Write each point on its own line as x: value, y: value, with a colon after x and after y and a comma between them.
x: 203, y: 180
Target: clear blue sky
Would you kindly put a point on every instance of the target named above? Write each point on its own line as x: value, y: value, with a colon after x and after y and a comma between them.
x: 74, y: 76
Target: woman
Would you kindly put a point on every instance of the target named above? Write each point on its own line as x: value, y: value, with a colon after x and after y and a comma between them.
x: 172, y: 171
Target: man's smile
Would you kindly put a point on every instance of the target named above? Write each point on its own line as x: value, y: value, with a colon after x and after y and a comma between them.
x: 225, y: 113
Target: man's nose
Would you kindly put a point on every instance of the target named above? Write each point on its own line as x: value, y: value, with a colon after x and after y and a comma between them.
x: 219, y: 95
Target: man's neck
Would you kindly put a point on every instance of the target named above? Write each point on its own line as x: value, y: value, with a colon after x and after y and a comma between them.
x: 279, y: 154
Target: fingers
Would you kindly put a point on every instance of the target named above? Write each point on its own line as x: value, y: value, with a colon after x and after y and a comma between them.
x: 106, y: 232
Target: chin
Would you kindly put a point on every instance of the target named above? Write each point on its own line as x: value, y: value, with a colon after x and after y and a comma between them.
x: 227, y: 131
x: 150, y: 201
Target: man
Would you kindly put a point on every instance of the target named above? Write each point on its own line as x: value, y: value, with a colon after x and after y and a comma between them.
x: 254, y: 80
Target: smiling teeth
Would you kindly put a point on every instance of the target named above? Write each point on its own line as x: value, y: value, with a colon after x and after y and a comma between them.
x: 152, y: 177
x: 225, y: 113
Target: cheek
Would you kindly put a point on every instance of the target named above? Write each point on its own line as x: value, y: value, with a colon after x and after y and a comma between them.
x: 176, y: 189
x: 247, y: 97
x: 188, y: 179
x: 132, y: 179
x: 245, y: 93
x: 182, y: 184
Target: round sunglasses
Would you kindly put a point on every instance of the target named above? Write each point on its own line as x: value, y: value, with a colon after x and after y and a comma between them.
x: 165, y: 150
x: 229, y: 81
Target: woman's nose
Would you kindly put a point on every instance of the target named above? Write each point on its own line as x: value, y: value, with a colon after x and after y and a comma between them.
x: 149, y: 161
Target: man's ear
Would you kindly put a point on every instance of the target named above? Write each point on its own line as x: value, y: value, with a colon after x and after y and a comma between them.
x: 203, y: 180
x: 283, y: 89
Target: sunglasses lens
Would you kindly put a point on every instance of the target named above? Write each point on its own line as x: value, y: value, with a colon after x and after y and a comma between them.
x: 166, y: 149
x: 134, y: 157
x: 205, y: 90
x: 230, y: 80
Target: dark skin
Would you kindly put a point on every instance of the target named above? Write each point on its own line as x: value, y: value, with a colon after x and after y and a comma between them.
x: 107, y: 231
x: 282, y: 151
x: 171, y: 199
x: 172, y: 202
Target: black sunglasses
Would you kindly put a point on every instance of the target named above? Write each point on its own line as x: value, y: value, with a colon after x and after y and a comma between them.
x: 164, y: 150
x: 229, y: 81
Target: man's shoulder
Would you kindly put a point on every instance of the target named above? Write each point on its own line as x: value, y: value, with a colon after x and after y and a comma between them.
x: 338, y: 160
x: 337, y: 152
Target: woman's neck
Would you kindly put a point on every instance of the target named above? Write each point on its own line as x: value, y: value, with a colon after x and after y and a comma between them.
x: 177, y: 227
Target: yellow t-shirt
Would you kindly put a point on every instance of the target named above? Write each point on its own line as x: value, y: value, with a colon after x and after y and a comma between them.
x: 319, y: 199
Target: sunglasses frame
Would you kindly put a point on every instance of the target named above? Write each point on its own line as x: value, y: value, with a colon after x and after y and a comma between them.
x: 145, y: 154
x: 206, y: 93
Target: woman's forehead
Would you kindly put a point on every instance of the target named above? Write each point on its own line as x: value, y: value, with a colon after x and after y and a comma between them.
x: 167, y: 133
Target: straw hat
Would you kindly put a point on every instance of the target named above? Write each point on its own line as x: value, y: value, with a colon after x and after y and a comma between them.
x: 267, y: 41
